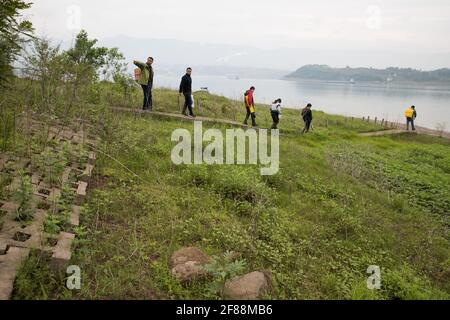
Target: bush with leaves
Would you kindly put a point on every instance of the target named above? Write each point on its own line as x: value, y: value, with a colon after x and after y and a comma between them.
x: 23, y: 196
x: 51, y: 164
x: 12, y: 31
x: 223, y: 268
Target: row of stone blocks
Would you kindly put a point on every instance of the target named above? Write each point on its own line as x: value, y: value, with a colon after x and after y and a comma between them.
x: 16, y: 241
x: 62, y: 252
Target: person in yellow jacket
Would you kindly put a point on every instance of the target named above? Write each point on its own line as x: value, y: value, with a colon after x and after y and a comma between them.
x: 410, y: 115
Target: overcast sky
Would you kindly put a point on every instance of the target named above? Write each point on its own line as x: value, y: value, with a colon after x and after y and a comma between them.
x: 419, y: 27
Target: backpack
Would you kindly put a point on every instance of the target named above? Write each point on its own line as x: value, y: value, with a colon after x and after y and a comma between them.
x: 137, y: 74
x: 409, y: 113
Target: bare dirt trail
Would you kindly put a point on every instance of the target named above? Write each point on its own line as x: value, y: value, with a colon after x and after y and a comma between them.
x: 180, y: 116
x: 397, y: 129
x: 419, y: 130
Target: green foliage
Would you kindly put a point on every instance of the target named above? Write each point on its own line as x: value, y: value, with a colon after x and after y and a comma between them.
x: 23, y: 196
x: 403, y: 284
x: 51, y: 165
x: 35, y: 281
x: 409, y: 170
x: 12, y: 31
x: 52, y: 224
x: 5, y: 180
x: 7, y: 129
x: 223, y: 268
x: 45, y: 64
x: 241, y: 184
x: 59, y: 219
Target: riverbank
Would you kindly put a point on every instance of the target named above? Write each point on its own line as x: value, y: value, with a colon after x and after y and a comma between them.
x: 340, y: 99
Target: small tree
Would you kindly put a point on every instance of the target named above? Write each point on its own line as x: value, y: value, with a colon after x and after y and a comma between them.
x: 44, y: 64
x: 12, y: 32
x: 85, y: 63
x: 223, y: 268
x: 23, y: 196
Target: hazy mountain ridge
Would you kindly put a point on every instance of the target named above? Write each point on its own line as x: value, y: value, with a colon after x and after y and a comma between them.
x: 170, y: 52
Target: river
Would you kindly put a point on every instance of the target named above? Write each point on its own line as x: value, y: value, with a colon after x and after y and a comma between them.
x: 360, y: 99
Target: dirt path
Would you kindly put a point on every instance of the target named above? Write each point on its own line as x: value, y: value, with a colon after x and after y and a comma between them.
x: 397, y: 129
x: 180, y: 116
x: 419, y: 130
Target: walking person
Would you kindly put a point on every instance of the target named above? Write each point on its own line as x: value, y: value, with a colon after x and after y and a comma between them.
x: 275, y: 110
x: 146, y: 81
x: 250, y: 106
x: 307, y: 117
x: 186, y: 90
x: 410, y: 115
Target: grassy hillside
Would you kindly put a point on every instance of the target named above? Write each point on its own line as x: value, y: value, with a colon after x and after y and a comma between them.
x: 339, y: 203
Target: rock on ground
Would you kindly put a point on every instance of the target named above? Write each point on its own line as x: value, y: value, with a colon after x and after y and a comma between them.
x: 248, y: 287
x: 186, y: 264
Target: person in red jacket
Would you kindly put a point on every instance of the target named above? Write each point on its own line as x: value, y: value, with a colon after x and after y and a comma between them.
x: 250, y: 106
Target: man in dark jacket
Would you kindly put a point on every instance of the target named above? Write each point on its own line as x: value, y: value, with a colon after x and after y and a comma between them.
x: 307, y: 118
x: 186, y: 90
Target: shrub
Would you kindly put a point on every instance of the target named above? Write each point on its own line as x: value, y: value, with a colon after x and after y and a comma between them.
x: 23, y: 196
x: 223, y: 268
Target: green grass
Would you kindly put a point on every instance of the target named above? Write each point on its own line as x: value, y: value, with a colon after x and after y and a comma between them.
x: 339, y: 203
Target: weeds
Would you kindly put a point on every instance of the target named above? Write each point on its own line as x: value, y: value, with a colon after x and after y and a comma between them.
x: 223, y: 268
x: 23, y: 196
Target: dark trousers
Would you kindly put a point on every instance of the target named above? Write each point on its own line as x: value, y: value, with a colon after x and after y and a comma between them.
x: 408, y: 121
x: 252, y: 115
x: 307, y: 126
x: 276, y: 119
x: 188, y: 103
x: 148, y: 99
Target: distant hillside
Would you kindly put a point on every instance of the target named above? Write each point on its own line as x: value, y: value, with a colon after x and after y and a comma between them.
x: 324, y: 72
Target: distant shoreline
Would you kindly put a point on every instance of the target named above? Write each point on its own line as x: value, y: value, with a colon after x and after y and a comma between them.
x: 436, y: 86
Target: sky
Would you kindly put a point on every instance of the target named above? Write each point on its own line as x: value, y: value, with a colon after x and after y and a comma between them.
x: 378, y: 33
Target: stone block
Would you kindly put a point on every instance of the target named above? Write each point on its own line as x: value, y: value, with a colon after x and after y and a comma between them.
x: 9, y: 265
x: 75, y: 216
x: 62, y: 251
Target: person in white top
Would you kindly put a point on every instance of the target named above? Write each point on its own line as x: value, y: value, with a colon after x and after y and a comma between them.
x: 275, y: 110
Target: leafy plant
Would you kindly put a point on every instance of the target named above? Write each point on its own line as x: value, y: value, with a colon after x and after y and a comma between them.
x: 51, y: 164
x: 23, y: 196
x: 52, y: 224
x: 223, y: 268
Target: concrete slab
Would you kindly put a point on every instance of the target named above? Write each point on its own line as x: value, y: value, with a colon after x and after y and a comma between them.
x: 62, y: 251
x: 9, y: 265
x: 75, y: 216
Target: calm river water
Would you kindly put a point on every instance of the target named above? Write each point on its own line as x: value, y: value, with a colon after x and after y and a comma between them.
x: 382, y: 101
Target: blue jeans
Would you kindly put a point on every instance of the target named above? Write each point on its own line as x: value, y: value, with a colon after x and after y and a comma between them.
x: 408, y: 121
x: 276, y: 119
x: 148, y: 99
